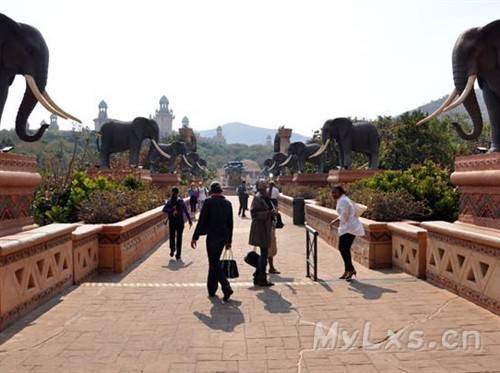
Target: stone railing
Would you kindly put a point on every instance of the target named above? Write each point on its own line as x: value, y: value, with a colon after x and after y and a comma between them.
x: 123, y: 243
x: 373, y: 250
x: 285, y: 205
x: 85, y: 251
x: 34, y: 266
x: 465, y: 259
x: 409, y: 248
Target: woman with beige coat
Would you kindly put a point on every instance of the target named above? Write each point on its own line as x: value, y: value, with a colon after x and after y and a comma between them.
x: 261, y: 231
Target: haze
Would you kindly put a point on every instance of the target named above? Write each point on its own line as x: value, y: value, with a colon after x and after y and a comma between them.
x: 265, y: 63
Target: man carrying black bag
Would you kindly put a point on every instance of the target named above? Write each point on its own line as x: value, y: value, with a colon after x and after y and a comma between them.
x: 216, y: 221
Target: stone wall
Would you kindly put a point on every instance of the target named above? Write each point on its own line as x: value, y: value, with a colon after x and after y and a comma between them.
x: 85, y: 252
x: 34, y: 266
x: 123, y: 243
x: 373, y: 250
x: 285, y: 205
x: 409, y: 248
x: 465, y: 259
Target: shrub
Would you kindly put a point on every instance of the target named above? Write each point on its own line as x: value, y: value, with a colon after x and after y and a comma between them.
x: 106, y: 206
x: 58, y: 200
x: 421, y: 192
x: 299, y: 191
x: 427, y: 183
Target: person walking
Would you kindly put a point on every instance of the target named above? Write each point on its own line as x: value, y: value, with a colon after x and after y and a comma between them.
x: 273, y: 193
x: 216, y: 222
x: 349, y: 227
x: 193, y: 198
x: 202, y: 195
x: 176, y: 210
x: 242, y: 193
x: 263, y: 214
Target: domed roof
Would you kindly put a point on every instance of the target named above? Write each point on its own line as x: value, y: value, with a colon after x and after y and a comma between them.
x: 103, y: 105
x: 163, y: 100
x: 185, y: 120
x: 250, y: 165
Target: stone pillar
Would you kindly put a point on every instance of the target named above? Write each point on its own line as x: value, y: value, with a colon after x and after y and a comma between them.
x: 18, y: 180
x: 187, y: 135
x: 284, y: 135
x: 478, y: 180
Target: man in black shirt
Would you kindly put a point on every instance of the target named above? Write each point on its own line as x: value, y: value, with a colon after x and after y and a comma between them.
x: 216, y: 221
x: 176, y: 210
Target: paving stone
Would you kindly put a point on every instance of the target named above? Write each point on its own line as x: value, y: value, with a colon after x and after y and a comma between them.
x: 157, y: 318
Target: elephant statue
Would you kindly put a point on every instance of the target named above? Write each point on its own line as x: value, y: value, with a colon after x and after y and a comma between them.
x: 117, y: 136
x: 301, y: 152
x: 476, y: 56
x: 360, y: 137
x: 274, y: 165
x: 195, y: 164
x: 168, y: 152
x: 24, y: 51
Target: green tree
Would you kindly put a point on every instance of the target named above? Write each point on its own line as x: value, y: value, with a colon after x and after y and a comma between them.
x: 404, y: 144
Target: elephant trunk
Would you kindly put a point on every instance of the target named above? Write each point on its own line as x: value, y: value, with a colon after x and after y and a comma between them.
x: 29, y: 102
x: 460, y: 78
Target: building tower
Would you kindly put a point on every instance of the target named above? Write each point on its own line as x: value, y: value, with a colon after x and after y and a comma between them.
x: 185, y: 122
x: 102, y: 116
x: 268, y: 140
x: 219, y: 137
x: 53, y: 123
x: 164, y: 117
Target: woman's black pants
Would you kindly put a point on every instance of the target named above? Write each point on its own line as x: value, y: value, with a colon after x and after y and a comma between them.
x: 345, y: 243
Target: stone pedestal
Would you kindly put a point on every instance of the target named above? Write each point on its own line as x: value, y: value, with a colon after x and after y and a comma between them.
x: 284, y: 180
x: 165, y: 181
x: 478, y: 180
x: 312, y: 180
x: 118, y: 174
x: 348, y: 176
x: 18, y: 180
x: 284, y: 135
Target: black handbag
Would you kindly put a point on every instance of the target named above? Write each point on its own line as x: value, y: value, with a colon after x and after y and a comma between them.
x: 279, y: 221
x: 229, y: 265
x: 252, y: 258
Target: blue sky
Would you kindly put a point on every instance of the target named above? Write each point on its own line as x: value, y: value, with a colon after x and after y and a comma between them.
x: 266, y: 63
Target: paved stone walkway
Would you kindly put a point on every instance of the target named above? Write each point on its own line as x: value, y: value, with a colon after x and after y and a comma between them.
x: 157, y: 318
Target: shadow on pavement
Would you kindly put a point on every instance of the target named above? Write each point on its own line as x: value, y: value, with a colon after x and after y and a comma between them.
x: 274, y: 301
x: 175, y: 265
x: 223, y: 316
x: 369, y: 291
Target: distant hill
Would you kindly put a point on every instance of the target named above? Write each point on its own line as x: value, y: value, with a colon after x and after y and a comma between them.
x: 460, y: 110
x: 240, y: 133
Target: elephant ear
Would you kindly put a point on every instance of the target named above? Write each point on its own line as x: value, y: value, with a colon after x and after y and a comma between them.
x: 9, y: 29
x: 137, y: 129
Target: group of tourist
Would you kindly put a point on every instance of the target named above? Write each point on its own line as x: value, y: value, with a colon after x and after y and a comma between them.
x: 197, y: 196
x: 216, y: 222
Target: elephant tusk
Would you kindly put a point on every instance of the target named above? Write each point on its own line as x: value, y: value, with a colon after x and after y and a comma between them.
x: 321, y: 150
x: 36, y: 92
x: 468, y: 88
x: 55, y: 106
x: 286, y: 161
x: 157, y: 147
x: 440, y: 109
x: 187, y: 162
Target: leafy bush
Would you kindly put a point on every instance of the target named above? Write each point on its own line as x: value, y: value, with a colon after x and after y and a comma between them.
x: 59, y: 200
x: 324, y: 198
x: 421, y: 192
x: 428, y: 183
x: 299, y: 191
x: 111, y: 206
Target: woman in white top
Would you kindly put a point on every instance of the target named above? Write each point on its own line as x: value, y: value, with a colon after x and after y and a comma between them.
x: 203, y: 194
x: 349, y: 228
